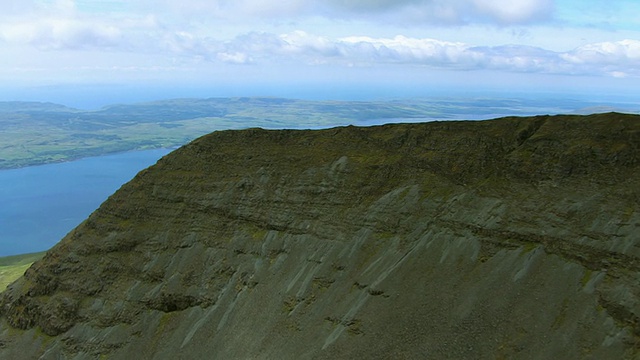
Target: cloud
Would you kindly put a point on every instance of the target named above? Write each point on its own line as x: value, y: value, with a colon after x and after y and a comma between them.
x: 374, y: 5
x: 15, y: 7
x: 59, y: 25
x: 232, y: 11
x: 623, y: 53
x: 401, y: 49
x: 299, y: 42
x: 610, y: 59
x: 515, y: 11
x: 398, y: 12
x: 446, y: 12
x: 618, y: 59
x: 64, y: 28
x: 51, y: 34
x: 234, y: 58
x: 56, y: 25
x: 166, y: 32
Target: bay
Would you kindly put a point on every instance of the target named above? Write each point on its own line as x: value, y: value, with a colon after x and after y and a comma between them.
x: 39, y: 205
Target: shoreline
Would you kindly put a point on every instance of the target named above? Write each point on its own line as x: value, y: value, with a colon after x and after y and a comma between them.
x: 42, y: 203
x: 76, y: 158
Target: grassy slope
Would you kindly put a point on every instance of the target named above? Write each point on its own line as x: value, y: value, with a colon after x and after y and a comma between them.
x: 12, y: 267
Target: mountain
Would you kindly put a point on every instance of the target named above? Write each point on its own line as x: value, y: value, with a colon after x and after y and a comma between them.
x: 514, y: 238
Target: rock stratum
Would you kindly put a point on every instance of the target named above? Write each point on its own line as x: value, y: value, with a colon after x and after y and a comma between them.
x: 515, y: 238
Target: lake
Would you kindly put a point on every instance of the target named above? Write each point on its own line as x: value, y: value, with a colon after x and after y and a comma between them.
x: 39, y: 205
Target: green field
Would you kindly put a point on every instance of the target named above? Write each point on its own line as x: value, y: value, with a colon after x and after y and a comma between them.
x: 12, y: 267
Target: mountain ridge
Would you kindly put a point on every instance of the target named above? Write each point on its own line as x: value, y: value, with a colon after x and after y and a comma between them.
x: 39, y: 133
x: 513, y: 238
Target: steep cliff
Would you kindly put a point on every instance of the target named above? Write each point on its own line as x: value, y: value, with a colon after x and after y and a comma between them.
x: 514, y: 238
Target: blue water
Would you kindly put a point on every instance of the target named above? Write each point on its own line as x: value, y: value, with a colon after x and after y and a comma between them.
x: 39, y: 205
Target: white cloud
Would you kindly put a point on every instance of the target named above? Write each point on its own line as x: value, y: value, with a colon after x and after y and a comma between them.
x: 234, y: 58
x: 399, y: 12
x: 515, y: 11
x: 401, y: 49
x: 50, y: 34
x: 15, y: 7
x: 375, y: 5
x: 204, y: 34
x: 443, y: 12
x: 69, y: 30
x: 623, y: 53
x: 619, y: 74
x: 60, y: 26
x: 299, y: 42
x: 609, y: 59
x: 618, y: 59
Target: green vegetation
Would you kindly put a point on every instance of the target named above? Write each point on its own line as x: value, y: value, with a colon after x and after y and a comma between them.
x: 34, y: 133
x: 12, y: 267
x: 37, y: 133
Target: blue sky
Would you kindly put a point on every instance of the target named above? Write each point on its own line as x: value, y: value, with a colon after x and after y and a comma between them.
x: 218, y: 47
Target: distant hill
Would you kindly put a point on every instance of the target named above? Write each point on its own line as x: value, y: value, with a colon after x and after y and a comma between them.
x: 514, y: 238
x: 34, y: 133
x: 31, y: 106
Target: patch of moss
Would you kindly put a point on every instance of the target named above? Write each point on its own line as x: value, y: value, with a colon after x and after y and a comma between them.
x: 164, y: 321
x: 528, y: 247
x: 628, y: 212
x: 562, y: 315
x: 290, y: 304
x: 354, y: 327
x: 322, y: 283
x: 586, y: 277
x: 259, y: 234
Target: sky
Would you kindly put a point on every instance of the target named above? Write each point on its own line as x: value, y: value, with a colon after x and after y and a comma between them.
x: 66, y: 50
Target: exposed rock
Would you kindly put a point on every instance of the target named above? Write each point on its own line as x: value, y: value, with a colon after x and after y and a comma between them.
x: 515, y: 238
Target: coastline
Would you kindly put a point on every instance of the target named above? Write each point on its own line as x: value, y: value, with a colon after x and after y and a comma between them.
x: 42, y: 203
x: 80, y: 157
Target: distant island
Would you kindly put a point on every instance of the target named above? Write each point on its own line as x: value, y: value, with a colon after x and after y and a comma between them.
x: 33, y: 133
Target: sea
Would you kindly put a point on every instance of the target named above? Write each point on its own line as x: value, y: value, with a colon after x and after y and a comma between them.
x: 39, y: 205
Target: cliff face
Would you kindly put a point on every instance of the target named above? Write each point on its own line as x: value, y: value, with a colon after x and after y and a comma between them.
x: 512, y: 238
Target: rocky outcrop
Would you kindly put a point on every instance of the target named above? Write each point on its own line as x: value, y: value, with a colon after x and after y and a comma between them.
x: 515, y: 238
